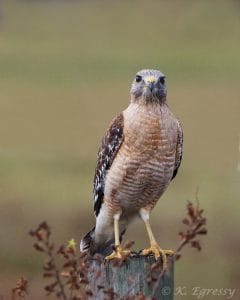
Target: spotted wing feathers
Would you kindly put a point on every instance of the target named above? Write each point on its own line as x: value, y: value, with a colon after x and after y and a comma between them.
x: 110, y: 145
x: 179, y: 150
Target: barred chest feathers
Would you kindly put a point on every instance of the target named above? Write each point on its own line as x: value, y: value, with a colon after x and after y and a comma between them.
x: 144, y: 165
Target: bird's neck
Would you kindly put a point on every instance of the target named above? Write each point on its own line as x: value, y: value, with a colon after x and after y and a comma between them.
x: 151, y: 109
x: 155, y: 102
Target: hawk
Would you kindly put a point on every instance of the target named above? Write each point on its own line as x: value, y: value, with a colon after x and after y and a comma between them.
x: 139, y: 155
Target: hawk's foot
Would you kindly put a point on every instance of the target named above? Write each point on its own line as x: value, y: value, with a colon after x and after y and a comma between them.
x: 158, y: 252
x: 119, y: 253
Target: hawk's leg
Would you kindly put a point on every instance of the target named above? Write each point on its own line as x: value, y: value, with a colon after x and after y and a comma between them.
x: 118, y: 252
x: 154, y: 247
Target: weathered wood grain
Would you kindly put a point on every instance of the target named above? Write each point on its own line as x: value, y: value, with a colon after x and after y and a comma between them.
x: 132, y: 278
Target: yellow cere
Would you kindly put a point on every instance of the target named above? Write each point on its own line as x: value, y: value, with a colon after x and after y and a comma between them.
x: 150, y: 79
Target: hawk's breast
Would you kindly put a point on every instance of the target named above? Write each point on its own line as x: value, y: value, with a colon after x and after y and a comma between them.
x: 144, y: 164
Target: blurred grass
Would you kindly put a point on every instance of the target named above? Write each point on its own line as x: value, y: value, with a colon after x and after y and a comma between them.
x: 66, y: 69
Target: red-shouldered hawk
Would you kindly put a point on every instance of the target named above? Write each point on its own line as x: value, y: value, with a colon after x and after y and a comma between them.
x: 139, y: 156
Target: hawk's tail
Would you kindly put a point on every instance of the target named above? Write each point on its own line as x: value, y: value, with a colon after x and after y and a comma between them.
x: 87, y: 241
x: 88, y: 244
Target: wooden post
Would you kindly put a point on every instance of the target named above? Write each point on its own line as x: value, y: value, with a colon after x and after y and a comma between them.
x: 131, y: 278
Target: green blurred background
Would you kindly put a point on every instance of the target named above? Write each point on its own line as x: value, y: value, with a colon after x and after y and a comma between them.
x: 65, y: 71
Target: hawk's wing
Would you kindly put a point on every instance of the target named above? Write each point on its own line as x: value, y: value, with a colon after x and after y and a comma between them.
x: 179, y: 150
x: 110, y: 145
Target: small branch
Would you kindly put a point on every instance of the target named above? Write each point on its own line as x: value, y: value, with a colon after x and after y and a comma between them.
x: 195, y: 223
x: 56, y: 271
x: 20, y: 291
x: 42, y: 234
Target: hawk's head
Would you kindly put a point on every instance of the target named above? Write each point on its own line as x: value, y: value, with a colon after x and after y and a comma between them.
x: 150, y: 86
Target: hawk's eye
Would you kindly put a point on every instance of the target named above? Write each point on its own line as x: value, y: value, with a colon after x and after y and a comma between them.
x: 138, y: 78
x: 162, y: 80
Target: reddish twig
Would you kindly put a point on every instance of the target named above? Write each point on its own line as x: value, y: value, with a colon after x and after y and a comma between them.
x: 43, y: 244
x: 195, y: 223
x: 20, y: 291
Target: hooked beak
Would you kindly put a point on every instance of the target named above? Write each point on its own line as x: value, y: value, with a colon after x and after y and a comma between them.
x: 151, y: 86
x: 151, y: 81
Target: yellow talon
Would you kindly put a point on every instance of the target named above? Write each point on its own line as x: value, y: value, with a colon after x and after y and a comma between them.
x: 158, y: 252
x: 119, y: 253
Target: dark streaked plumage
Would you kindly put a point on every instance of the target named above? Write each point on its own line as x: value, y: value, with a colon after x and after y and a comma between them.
x: 111, y: 142
x: 178, y: 151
